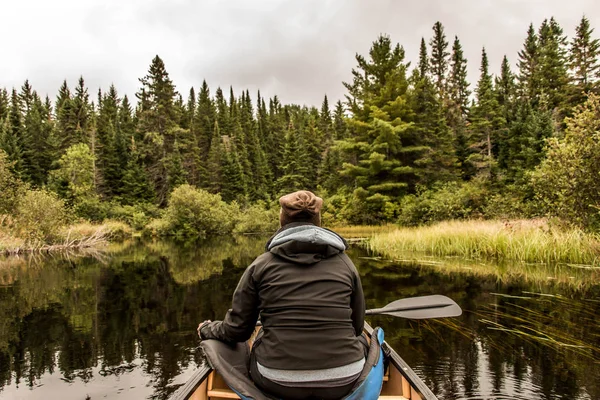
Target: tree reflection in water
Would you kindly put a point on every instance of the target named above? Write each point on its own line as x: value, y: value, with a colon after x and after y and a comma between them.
x: 130, y: 317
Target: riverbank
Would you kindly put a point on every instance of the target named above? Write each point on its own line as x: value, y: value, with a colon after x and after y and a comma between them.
x: 77, y: 236
x: 522, y: 241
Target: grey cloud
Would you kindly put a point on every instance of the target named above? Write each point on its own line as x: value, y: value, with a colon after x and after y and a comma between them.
x: 299, y: 50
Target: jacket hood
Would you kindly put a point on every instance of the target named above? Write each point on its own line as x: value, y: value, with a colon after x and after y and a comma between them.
x: 305, y: 243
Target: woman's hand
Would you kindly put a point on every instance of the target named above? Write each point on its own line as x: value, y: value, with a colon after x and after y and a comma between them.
x: 201, y: 325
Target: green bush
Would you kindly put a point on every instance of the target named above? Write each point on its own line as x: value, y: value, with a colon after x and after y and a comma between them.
x: 91, y: 208
x: 137, y: 216
x: 196, y: 213
x: 40, y: 216
x: 449, y: 201
x: 567, y: 182
x: 258, y: 219
x: 364, y: 209
x: 11, y: 188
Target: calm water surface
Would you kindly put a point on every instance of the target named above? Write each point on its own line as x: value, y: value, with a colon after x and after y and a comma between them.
x: 121, y: 324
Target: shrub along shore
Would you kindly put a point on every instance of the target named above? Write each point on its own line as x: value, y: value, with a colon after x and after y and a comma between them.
x: 521, y: 241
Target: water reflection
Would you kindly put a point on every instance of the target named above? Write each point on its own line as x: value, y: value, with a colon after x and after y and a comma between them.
x: 122, y: 324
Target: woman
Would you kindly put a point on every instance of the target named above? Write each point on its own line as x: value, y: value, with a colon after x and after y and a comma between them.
x: 309, y: 297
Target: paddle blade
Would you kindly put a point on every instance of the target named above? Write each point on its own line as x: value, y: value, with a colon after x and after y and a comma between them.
x: 435, y: 306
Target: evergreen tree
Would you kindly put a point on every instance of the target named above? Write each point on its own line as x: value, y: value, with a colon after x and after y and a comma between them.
x: 339, y: 122
x: 233, y: 185
x: 204, y: 124
x: 529, y: 68
x: 136, y: 183
x: 107, y: 147
x: 382, y: 151
x: 505, y: 89
x: 458, y: 84
x: 214, y: 165
x: 82, y: 114
x: 486, y: 121
x: 439, y: 157
x: 325, y: 125
x: 553, y: 64
x: 12, y: 137
x: 439, y: 58
x: 293, y: 165
x: 583, y: 59
x: 423, y: 66
x: 4, y: 104
x: 523, y: 148
x: 376, y: 75
x: 157, y: 123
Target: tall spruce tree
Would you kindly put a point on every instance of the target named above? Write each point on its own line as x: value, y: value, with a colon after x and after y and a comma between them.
x: 382, y: 149
x: 529, y: 68
x: 293, y: 166
x: 583, y: 59
x: 157, y: 125
x: 439, y: 58
x: 505, y: 89
x: 214, y: 163
x: 486, y: 121
x: 553, y: 64
x: 204, y: 122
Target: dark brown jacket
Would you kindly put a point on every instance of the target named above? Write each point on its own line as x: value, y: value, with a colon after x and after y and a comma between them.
x: 309, y: 298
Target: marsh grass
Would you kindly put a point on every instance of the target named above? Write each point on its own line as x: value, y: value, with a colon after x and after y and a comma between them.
x: 522, y: 241
x: 362, y: 231
x: 75, y: 237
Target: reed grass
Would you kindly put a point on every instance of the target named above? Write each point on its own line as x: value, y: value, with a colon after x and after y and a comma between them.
x: 523, y: 241
x: 75, y: 237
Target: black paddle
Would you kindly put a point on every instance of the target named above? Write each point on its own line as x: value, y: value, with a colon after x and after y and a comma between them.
x: 436, y: 306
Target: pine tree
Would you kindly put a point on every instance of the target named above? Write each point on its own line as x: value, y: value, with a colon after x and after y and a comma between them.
x: 382, y: 150
x: 583, y: 59
x: 107, y: 147
x: 373, y: 76
x: 4, y: 104
x: 439, y: 159
x: 204, y: 124
x: 293, y: 165
x: 553, y: 64
x: 457, y: 84
x: 137, y: 187
x: 157, y: 124
x: 529, y: 68
x: 339, y: 122
x: 325, y: 125
x: 505, y: 89
x: 233, y: 184
x: 9, y: 144
x: 439, y: 58
x: 12, y: 136
x: 214, y: 164
x: 486, y: 120
x: 423, y: 66
x: 523, y: 148
x: 81, y: 113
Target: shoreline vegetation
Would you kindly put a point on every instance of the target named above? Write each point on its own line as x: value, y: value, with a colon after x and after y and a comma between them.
x: 410, y: 146
x: 534, y: 241
x: 79, y: 236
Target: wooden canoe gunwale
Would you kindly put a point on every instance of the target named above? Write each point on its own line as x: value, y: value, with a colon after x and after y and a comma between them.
x: 187, y: 390
x: 404, y: 369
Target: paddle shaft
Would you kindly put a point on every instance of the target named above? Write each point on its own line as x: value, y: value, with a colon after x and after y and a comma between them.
x: 421, y: 307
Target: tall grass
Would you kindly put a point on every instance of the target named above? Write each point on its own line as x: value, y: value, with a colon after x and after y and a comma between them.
x: 527, y: 241
x: 75, y: 237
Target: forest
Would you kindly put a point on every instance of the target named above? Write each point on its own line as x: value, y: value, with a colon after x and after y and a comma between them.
x: 410, y: 144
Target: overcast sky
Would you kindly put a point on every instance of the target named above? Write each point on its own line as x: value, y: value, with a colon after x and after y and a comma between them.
x: 299, y: 49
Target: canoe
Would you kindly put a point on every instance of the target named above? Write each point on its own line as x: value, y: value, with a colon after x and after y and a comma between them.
x: 400, y: 382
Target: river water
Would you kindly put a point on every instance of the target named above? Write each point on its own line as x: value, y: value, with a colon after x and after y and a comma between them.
x: 120, y: 324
